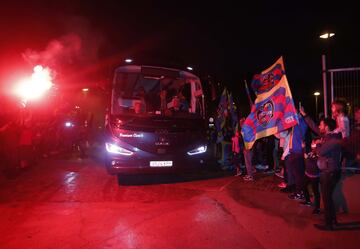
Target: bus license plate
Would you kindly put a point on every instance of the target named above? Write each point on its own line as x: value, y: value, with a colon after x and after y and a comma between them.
x: 161, y: 163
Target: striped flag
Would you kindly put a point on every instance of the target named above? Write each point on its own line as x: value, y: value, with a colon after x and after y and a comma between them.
x: 232, y: 109
x: 222, y: 110
x: 226, y: 110
x: 274, y: 109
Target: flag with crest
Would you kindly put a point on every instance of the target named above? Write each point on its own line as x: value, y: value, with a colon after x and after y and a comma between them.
x: 274, y: 109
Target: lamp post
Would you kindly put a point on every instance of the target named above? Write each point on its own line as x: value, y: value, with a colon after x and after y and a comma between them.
x: 316, y: 94
x: 325, y: 36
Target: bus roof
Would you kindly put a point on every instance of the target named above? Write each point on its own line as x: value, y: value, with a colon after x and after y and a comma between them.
x: 140, y: 69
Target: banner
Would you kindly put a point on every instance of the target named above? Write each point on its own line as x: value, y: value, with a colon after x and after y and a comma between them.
x: 274, y: 109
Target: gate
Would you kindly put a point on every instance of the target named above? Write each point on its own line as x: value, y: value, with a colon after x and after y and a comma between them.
x: 345, y: 84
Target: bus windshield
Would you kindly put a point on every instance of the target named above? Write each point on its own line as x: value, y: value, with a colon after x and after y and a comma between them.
x: 136, y: 94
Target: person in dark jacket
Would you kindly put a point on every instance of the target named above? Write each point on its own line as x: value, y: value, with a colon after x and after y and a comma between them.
x: 312, y: 179
x: 328, y: 150
x: 351, y: 144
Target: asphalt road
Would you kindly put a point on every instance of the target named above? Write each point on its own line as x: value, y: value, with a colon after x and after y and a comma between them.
x: 74, y: 203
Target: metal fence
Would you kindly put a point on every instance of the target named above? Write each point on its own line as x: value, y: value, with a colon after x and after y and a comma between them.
x: 345, y: 85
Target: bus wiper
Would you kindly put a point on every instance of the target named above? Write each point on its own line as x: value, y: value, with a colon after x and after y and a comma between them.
x: 128, y: 121
x: 118, y: 123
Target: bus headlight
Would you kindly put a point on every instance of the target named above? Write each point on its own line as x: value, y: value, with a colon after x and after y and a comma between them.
x: 199, y: 150
x: 115, y: 149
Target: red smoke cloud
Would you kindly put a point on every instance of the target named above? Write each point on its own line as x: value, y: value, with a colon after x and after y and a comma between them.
x: 63, y: 51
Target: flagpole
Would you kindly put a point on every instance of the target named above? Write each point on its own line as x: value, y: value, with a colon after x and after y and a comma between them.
x: 248, y: 94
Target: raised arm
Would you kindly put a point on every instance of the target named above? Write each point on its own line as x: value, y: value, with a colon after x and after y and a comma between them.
x: 309, y: 122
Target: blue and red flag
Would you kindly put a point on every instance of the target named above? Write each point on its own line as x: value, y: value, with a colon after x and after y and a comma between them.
x: 221, y: 110
x: 226, y: 110
x: 274, y: 109
x: 233, y: 113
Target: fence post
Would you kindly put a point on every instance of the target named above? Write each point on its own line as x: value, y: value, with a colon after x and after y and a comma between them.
x: 324, y: 84
x: 332, y: 85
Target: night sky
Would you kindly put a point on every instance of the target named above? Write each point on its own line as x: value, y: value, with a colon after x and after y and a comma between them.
x: 227, y: 42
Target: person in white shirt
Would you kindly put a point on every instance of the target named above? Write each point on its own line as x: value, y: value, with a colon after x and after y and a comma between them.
x: 339, y: 115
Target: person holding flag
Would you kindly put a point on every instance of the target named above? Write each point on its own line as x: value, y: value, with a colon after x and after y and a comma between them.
x: 293, y: 157
x: 273, y: 110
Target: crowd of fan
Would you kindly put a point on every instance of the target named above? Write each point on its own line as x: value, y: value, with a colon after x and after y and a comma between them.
x: 308, y: 157
x: 25, y: 138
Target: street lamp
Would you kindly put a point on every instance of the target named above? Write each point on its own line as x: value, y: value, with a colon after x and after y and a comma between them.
x: 325, y: 36
x: 128, y: 60
x: 189, y: 68
x: 316, y: 94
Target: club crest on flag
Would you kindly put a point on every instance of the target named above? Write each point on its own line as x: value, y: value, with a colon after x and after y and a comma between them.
x: 265, y: 113
x: 269, y: 80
